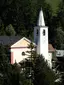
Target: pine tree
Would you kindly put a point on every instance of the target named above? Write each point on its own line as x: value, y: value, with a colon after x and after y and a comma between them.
x: 10, y: 30
x: 43, y: 75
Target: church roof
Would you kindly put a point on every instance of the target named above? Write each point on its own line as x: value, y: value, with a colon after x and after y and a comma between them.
x: 9, y: 40
x: 41, y: 21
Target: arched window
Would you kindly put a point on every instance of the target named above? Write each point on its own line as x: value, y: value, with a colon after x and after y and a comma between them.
x: 37, y: 32
x: 44, y: 32
x: 23, y: 53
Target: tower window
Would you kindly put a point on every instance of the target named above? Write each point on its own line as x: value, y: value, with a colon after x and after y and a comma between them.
x: 37, y: 32
x: 44, y: 32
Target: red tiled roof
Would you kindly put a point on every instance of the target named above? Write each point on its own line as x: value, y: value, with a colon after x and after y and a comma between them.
x: 50, y: 47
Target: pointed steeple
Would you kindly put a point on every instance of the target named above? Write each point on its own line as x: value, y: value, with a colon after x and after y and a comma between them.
x: 41, y: 19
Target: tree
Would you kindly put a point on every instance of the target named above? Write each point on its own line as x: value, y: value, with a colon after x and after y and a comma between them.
x: 10, y: 30
x: 60, y: 15
x: 37, y: 70
x: 23, y: 14
x: 10, y: 74
x: 5, y: 67
x: 29, y: 63
x: 2, y: 30
x: 60, y: 38
x: 58, y: 25
x: 42, y: 73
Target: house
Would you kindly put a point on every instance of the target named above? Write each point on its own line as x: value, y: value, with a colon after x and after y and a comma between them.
x: 59, y: 53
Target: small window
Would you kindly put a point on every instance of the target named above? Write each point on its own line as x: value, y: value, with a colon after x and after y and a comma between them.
x: 44, y: 32
x: 37, y: 32
x: 23, y: 53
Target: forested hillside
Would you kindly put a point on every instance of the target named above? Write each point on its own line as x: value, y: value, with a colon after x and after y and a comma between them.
x: 18, y: 17
x: 54, y: 4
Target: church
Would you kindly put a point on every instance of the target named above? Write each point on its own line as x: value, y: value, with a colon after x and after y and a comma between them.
x: 19, y: 48
x: 19, y: 45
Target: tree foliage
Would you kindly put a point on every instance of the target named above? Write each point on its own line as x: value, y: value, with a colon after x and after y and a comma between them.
x: 10, y: 30
x: 60, y: 27
x: 23, y: 14
x: 43, y: 74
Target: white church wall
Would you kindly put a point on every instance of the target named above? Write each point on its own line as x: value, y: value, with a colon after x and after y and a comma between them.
x: 50, y: 59
x: 17, y: 54
x: 44, y: 42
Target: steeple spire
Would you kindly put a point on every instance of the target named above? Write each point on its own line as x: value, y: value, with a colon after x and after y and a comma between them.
x: 41, y: 19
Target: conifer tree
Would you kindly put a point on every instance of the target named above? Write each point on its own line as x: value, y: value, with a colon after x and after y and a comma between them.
x: 10, y: 30
x: 43, y: 75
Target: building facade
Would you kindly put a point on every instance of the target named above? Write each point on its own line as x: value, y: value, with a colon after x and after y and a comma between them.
x: 40, y: 40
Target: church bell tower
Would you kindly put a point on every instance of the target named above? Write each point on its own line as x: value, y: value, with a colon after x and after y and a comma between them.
x: 41, y: 36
